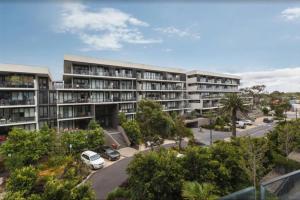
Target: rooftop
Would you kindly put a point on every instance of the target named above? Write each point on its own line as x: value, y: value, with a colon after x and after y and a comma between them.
x: 121, y: 64
x: 25, y: 69
x: 212, y: 74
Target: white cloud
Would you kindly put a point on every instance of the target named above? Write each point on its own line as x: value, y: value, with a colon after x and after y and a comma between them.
x: 285, y: 79
x: 167, y: 50
x: 105, y: 29
x: 171, y: 30
x: 291, y: 13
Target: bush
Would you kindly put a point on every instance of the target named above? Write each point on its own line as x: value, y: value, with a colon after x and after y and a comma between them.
x: 22, y: 180
x: 118, y: 193
x: 284, y: 163
x: 26, y: 147
x: 133, y: 131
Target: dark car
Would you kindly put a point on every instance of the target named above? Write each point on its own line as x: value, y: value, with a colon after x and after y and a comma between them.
x: 109, y: 153
x: 268, y: 120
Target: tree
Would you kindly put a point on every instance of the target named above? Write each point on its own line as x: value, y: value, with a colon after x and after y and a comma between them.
x: 82, y: 192
x: 254, y: 150
x: 153, y: 121
x: 265, y: 110
x: 26, y: 147
x: 22, y: 180
x: 197, y: 164
x: 118, y: 194
x: 94, y: 136
x: 155, y: 175
x: 180, y: 130
x: 233, y: 103
x: 74, y: 141
x: 133, y: 131
x: 196, y: 191
x: 228, y: 170
x: 255, y: 91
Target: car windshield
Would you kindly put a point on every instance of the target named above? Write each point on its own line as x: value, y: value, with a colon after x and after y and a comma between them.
x: 95, y: 157
x: 110, y: 151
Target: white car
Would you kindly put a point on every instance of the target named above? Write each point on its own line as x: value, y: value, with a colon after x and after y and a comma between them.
x: 92, y: 159
x: 248, y: 122
x: 240, y: 124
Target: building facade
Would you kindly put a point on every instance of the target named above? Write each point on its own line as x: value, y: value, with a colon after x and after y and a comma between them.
x: 206, y: 89
x: 24, y: 93
x: 100, y: 89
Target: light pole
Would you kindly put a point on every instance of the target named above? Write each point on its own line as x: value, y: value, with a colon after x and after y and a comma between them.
x: 210, y: 130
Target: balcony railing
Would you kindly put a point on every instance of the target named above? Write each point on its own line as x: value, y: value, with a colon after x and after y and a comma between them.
x: 13, y: 120
x: 104, y: 73
x: 16, y: 85
x: 74, y: 115
x: 9, y: 102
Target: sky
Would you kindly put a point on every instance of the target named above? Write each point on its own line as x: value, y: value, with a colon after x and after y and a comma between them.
x: 260, y: 41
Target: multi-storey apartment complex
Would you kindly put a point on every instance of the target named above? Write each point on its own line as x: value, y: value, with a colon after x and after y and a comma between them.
x: 24, y: 93
x: 100, y: 89
x: 206, y: 89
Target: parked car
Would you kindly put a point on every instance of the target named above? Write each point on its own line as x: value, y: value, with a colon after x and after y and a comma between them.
x: 268, y: 120
x: 248, y: 122
x: 240, y: 124
x: 155, y: 142
x: 92, y: 159
x: 109, y: 153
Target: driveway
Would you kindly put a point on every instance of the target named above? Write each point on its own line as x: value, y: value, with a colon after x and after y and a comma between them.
x: 105, y: 180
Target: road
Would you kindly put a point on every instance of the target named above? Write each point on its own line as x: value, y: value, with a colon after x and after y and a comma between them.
x: 258, y: 131
x: 105, y: 180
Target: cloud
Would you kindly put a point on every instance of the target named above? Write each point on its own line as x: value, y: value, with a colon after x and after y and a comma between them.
x: 167, y: 50
x: 285, y: 79
x: 172, y: 31
x: 104, y: 29
x: 291, y: 14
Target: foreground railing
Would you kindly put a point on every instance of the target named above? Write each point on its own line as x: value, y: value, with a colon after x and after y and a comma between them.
x: 286, y: 187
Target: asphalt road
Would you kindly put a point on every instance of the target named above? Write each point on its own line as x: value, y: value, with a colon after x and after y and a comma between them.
x: 258, y: 131
x: 105, y: 180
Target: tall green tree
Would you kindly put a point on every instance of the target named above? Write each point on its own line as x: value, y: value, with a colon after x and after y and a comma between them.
x: 155, y: 175
x: 180, y: 130
x: 232, y: 104
x: 153, y: 121
x: 26, y: 147
x: 196, y: 191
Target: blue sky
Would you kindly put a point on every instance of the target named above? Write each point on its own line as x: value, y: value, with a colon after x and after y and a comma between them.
x: 259, y: 41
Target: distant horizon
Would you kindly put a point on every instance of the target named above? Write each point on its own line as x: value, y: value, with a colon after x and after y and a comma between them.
x: 261, y: 45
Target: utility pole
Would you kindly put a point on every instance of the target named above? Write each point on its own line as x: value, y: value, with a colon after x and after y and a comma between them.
x: 210, y: 123
x: 296, y: 114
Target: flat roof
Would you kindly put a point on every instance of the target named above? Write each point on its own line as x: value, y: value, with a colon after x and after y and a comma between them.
x: 213, y: 74
x: 90, y: 60
x: 26, y: 69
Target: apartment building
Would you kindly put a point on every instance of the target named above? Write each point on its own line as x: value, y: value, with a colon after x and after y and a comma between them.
x: 206, y: 89
x: 23, y: 96
x: 100, y: 89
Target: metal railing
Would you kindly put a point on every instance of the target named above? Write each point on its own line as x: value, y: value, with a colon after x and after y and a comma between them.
x: 9, y: 102
x: 13, y: 120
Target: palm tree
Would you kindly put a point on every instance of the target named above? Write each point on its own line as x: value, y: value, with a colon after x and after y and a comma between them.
x: 196, y: 191
x: 232, y: 103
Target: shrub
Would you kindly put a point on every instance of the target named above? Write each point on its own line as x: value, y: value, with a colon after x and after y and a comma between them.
x: 284, y: 163
x: 133, y: 131
x: 22, y: 180
x: 118, y: 193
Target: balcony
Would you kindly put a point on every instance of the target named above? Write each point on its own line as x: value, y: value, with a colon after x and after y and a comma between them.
x: 67, y: 115
x: 16, y: 85
x: 9, y: 102
x: 4, y: 120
